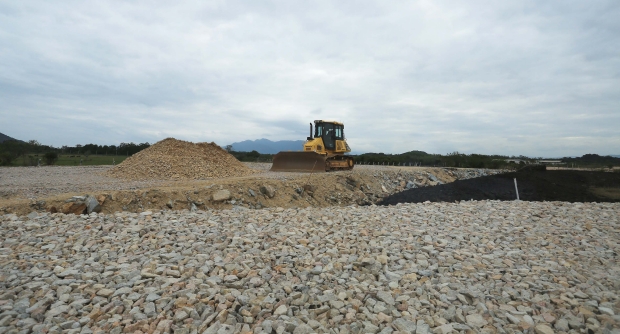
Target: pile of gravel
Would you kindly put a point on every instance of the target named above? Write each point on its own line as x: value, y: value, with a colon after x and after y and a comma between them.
x: 489, y: 267
x: 178, y: 160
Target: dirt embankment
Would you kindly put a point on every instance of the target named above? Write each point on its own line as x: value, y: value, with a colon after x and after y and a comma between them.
x: 362, y: 186
x: 533, y: 185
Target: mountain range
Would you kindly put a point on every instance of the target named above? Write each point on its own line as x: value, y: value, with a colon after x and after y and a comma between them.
x: 266, y: 146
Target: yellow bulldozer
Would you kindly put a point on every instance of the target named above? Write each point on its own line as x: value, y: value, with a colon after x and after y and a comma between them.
x: 322, y: 152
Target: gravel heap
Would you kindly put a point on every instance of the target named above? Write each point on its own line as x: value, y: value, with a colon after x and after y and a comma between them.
x: 178, y: 159
x: 414, y: 268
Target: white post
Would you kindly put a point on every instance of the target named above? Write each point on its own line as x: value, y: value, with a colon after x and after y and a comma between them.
x: 516, y: 189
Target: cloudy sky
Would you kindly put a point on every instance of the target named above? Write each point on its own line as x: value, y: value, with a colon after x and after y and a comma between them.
x: 537, y: 78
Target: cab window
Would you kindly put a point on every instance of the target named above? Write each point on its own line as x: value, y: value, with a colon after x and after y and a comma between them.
x: 338, y: 129
x: 328, y: 129
x: 318, y: 131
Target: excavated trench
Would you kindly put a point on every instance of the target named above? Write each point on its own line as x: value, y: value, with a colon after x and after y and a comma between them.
x: 532, y: 185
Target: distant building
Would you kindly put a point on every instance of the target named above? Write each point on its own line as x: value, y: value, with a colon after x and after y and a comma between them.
x: 517, y: 161
x: 550, y: 162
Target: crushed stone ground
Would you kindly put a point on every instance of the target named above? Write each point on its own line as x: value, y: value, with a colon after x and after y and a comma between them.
x: 488, y: 266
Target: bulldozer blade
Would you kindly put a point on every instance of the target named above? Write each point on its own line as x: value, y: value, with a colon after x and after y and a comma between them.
x: 299, y: 162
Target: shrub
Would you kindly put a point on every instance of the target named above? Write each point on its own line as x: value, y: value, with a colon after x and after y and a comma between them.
x: 51, y: 157
x: 6, y: 158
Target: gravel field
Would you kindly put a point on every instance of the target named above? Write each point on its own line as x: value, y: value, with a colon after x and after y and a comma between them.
x: 497, y: 267
x: 36, y: 182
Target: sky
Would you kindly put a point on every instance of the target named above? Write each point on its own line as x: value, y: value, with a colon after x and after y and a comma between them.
x: 534, y: 78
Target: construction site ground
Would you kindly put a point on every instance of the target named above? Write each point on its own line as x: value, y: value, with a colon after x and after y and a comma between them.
x: 27, y: 189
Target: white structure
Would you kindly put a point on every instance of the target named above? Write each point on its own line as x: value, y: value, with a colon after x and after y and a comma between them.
x: 550, y: 162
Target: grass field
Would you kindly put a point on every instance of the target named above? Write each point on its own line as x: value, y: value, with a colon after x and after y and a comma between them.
x: 71, y: 160
x: 612, y: 193
x: 91, y: 160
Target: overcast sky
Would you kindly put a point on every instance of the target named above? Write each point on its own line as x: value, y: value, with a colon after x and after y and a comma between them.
x: 537, y: 78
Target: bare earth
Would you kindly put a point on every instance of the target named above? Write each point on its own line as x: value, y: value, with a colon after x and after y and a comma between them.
x: 24, y: 189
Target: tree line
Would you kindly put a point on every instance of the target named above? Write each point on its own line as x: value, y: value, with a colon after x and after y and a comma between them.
x: 413, y: 158
x: 592, y: 161
x: 29, y: 153
x: 420, y: 158
x: 252, y: 156
x: 125, y: 149
x: 32, y: 152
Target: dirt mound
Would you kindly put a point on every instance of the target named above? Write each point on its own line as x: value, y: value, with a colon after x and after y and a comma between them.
x: 534, y: 185
x: 177, y: 159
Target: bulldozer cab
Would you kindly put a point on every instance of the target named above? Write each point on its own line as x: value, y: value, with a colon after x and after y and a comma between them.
x: 329, y: 132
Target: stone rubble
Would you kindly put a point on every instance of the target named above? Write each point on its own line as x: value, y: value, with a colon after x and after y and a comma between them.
x: 394, y: 181
x: 489, y: 266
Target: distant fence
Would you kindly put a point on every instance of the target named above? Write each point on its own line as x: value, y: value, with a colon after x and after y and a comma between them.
x: 403, y: 164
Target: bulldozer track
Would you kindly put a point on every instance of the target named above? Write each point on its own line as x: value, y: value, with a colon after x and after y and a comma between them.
x: 339, y: 163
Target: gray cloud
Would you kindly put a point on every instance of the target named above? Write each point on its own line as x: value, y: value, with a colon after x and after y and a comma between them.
x: 523, y: 77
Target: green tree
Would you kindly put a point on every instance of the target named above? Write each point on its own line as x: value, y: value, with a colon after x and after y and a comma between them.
x: 253, y: 155
x: 12, y: 149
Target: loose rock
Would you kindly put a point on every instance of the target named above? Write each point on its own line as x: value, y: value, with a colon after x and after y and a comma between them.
x: 414, y: 268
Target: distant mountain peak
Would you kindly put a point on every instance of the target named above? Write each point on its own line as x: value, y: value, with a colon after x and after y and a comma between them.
x: 4, y: 138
